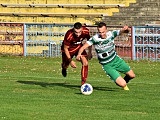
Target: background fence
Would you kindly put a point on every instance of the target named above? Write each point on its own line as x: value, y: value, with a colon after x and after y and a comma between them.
x: 45, y: 40
x: 146, y: 43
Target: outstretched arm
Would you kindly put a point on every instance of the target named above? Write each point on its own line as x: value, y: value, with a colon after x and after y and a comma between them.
x: 86, y: 45
x: 125, y: 29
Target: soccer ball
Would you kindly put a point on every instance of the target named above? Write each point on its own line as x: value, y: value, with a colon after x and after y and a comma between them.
x: 86, y: 89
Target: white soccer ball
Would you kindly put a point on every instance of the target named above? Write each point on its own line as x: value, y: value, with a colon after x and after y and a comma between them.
x: 86, y: 89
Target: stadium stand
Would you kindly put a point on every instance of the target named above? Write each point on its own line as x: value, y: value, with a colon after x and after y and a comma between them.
x: 131, y: 12
x: 11, y: 38
x: 140, y: 13
x: 59, y: 11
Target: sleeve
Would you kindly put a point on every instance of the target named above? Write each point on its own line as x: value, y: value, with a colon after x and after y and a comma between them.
x: 90, y: 41
x: 86, y: 32
x: 67, y: 38
x: 88, y: 36
x: 115, y: 33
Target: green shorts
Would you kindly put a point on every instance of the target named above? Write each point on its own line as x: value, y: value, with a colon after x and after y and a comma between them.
x: 115, y: 66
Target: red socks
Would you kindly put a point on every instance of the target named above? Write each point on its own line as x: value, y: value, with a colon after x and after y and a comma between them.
x: 84, y: 74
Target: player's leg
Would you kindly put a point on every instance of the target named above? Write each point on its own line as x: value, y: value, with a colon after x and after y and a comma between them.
x: 114, y: 75
x: 125, y: 68
x: 65, y: 64
x: 129, y: 75
x: 84, y: 69
x: 122, y: 83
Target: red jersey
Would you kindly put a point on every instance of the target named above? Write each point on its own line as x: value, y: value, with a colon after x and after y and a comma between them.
x: 73, y: 41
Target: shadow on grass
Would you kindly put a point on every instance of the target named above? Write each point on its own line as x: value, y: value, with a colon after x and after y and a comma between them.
x: 45, y: 84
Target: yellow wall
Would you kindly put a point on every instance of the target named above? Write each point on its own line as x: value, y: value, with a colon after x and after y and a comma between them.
x: 11, y: 38
x: 10, y: 49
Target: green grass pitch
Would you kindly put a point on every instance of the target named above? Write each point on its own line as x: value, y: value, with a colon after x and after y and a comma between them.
x: 32, y: 88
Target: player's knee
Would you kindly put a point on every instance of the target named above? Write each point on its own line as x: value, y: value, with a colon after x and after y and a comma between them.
x: 132, y: 76
x: 85, y: 63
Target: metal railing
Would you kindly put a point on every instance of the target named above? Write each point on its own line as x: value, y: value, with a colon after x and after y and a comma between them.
x: 45, y: 40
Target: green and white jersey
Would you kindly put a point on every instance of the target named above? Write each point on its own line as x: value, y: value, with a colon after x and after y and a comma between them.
x: 105, y: 48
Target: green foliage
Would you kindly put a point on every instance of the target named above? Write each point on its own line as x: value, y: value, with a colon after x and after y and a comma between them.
x: 33, y: 88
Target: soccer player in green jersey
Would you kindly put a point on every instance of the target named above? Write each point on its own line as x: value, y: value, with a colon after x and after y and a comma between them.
x: 111, y: 63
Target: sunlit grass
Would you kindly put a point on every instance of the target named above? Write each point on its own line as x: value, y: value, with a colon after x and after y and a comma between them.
x: 33, y: 88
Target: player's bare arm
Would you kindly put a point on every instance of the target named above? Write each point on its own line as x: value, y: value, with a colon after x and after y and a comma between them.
x: 66, y: 51
x: 86, y: 45
x: 72, y: 63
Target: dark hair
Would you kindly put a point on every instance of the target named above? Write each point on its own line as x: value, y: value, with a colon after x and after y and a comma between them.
x: 101, y: 24
x: 77, y: 25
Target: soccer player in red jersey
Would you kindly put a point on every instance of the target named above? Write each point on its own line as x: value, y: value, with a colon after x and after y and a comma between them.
x: 71, y: 44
